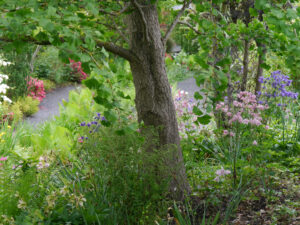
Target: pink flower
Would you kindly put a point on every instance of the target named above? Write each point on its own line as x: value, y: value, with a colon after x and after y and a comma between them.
x: 217, y: 179
x: 245, y: 121
x: 222, y: 172
x: 267, y: 127
x: 232, y: 134
x: 218, y: 106
x: 80, y: 140
x: 225, y: 132
x: 229, y: 114
x: 3, y: 158
x: 254, y: 142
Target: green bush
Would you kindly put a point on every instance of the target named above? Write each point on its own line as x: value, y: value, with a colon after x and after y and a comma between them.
x: 48, y: 85
x: 28, y: 105
x: 15, y: 108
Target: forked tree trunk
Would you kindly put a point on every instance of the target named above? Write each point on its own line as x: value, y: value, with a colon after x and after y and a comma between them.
x: 154, y: 103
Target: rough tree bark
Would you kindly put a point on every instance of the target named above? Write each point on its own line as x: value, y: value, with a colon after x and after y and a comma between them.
x: 154, y: 103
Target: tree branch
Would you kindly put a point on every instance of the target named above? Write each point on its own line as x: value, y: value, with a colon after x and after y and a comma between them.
x: 31, y: 64
x: 115, y: 49
x: 190, y: 26
x: 171, y: 28
x: 26, y: 39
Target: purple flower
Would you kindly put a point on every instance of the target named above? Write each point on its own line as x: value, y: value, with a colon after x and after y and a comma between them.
x: 82, y: 124
x: 261, y: 79
x: 88, y: 124
x: 103, y: 118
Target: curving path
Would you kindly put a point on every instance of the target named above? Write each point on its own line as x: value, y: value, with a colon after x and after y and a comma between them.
x: 49, y: 107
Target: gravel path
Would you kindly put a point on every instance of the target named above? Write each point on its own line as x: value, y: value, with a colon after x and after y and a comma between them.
x: 49, y: 107
x: 188, y: 85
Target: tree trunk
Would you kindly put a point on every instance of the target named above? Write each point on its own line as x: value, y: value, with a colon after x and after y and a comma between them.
x: 154, y: 103
x: 261, y: 57
x: 31, y: 65
x: 260, y: 70
x: 245, y: 65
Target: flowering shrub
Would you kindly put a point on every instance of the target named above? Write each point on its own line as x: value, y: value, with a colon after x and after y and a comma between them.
x: 3, y: 88
x: 36, y: 89
x: 243, y: 115
x: 77, y: 72
x: 245, y: 110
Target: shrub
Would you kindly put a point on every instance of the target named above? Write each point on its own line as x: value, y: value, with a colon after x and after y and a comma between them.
x: 77, y: 73
x: 28, y: 105
x: 15, y: 108
x: 48, y: 85
x: 36, y: 88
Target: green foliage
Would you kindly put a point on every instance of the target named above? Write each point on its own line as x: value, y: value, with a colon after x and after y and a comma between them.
x: 48, y: 85
x: 28, y: 105
x: 16, y: 109
x: 17, y: 72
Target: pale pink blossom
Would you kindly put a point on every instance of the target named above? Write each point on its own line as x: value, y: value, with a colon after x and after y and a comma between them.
x: 225, y: 132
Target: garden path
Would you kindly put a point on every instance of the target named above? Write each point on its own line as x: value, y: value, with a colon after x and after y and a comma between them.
x: 188, y: 85
x: 49, y: 107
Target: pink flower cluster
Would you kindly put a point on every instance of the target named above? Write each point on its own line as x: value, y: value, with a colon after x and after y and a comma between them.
x: 76, y: 66
x: 36, y: 88
x: 2, y: 159
x: 220, y: 173
x: 245, y: 110
x: 42, y: 163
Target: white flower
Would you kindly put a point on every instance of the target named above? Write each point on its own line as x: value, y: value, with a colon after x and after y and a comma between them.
x: 6, y: 99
